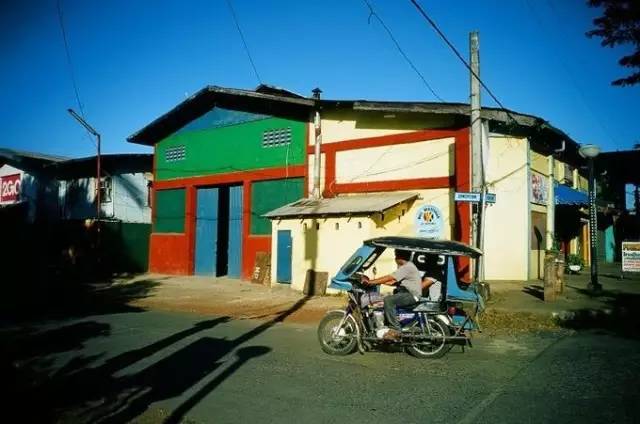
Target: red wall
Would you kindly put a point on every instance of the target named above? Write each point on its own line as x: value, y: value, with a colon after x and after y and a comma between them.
x: 169, y: 254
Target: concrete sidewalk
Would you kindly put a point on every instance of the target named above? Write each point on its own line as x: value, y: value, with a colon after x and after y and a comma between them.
x: 527, y: 296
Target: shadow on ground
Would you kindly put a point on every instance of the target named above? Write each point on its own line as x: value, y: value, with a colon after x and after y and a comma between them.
x: 65, y: 299
x: 618, y: 314
x: 534, y: 290
x: 92, y: 389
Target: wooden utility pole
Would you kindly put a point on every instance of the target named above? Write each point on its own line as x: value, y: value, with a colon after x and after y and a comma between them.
x: 476, y: 143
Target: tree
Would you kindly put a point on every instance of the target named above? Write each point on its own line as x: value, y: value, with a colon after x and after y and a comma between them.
x: 620, y: 25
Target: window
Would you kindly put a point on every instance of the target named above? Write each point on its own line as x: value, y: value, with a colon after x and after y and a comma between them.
x: 105, y: 189
x: 175, y: 153
x: 276, y: 137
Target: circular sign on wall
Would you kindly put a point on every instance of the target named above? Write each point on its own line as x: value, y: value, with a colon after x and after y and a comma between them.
x: 429, y: 222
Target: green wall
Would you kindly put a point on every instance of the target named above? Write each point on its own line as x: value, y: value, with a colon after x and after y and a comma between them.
x: 269, y: 195
x: 169, y: 211
x: 230, y: 148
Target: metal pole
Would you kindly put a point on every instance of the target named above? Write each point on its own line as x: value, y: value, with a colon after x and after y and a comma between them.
x: 593, y: 230
x: 476, y: 140
x: 318, y: 142
x: 99, y: 181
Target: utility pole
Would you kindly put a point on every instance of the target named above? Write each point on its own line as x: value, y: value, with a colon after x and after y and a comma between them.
x: 318, y: 142
x: 477, y: 176
x: 98, y: 171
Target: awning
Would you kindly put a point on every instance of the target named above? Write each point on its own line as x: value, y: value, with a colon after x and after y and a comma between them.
x: 347, y: 205
x: 569, y: 196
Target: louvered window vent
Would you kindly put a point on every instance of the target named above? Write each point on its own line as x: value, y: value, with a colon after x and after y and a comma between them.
x: 276, y: 137
x: 175, y: 154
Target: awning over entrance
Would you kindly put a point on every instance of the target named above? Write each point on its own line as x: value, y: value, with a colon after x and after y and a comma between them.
x: 569, y: 196
x: 347, y: 205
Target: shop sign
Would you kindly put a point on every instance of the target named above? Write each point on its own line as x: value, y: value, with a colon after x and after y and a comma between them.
x: 429, y: 222
x: 539, y: 192
x: 10, y: 188
x: 631, y: 256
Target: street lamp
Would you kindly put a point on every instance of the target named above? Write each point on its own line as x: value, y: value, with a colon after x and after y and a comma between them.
x: 589, y: 152
x: 98, y: 173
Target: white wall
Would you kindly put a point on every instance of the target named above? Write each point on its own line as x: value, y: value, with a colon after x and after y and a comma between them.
x: 506, y: 241
x: 129, y: 195
x: 128, y: 199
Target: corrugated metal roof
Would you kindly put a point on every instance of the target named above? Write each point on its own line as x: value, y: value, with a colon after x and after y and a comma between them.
x: 348, y: 205
x: 19, y: 154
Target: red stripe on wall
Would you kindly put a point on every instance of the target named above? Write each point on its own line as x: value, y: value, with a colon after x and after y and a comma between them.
x: 463, y: 184
x: 385, y: 140
x: 413, y: 184
x: 234, y: 177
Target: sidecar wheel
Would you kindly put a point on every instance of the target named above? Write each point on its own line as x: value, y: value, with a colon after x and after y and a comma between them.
x: 334, y: 340
x: 435, y: 349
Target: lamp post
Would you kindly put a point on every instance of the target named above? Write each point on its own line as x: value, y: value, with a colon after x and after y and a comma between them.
x: 589, y: 152
x: 98, y: 172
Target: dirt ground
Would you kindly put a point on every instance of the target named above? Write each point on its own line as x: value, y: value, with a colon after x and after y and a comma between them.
x: 244, y: 300
x: 236, y: 299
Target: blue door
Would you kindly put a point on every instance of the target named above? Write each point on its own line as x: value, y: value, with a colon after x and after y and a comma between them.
x: 206, y: 231
x: 283, y: 270
x: 234, y: 250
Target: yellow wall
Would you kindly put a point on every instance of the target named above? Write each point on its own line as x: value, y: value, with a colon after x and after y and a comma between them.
x: 539, y: 163
x: 507, y: 224
x: 324, y: 249
x: 582, y: 183
x: 346, y: 125
x: 310, y: 165
x: 327, y: 248
x: 425, y: 159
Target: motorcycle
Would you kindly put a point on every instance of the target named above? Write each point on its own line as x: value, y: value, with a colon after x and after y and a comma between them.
x: 429, y: 329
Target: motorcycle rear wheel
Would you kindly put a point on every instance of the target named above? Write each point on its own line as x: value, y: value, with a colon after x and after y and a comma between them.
x: 337, y: 341
x: 433, y: 349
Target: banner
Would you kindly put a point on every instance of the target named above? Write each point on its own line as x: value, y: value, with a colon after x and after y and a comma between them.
x: 10, y: 188
x: 631, y: 256
x: 539, y: 188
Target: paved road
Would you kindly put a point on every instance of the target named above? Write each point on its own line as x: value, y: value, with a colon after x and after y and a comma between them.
x: 152, y: 366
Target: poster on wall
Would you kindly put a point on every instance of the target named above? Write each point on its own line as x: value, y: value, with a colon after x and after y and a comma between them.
x: 539, y: 192
x: 10, y: 188
x: 429, y: 222
x: 631, y: 256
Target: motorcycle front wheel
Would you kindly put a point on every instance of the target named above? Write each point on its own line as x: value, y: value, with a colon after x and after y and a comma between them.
x: 432, y: 349
x: 335, y: 339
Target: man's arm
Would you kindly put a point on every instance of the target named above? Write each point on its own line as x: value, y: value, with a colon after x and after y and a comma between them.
x: 387, y: 279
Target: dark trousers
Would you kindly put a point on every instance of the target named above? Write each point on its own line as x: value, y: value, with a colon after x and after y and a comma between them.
x: 400, y: 299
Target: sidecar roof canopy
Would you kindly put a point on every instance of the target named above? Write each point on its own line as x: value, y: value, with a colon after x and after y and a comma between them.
x: 347, y: 205
x: 417, y: 244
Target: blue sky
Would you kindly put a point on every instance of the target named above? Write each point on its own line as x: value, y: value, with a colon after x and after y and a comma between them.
x: 134, y: 60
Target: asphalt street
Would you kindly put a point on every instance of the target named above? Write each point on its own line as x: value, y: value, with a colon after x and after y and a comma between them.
x: 171, y: 367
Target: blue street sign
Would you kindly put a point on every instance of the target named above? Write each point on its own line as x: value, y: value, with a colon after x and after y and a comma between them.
x: 474, y: 197
x: 467, y: 197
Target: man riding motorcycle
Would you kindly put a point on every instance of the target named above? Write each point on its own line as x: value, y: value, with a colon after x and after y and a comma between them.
x: 407, y: 292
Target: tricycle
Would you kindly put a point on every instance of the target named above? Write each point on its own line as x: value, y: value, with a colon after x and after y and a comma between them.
x: 429, y: 329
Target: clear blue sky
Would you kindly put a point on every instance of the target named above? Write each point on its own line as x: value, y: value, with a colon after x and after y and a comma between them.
x: 134, y: 60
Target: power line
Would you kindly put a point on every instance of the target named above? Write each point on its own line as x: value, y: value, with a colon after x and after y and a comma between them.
x: 457, y: 53
x: 372, y: 13
x: 70, y: 63
x: 246, y: 47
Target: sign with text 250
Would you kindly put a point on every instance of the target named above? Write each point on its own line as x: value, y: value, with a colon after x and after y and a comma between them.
x: 10, y: 188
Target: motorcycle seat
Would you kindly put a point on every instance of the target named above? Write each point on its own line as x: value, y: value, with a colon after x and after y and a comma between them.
x: 426, y: 305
